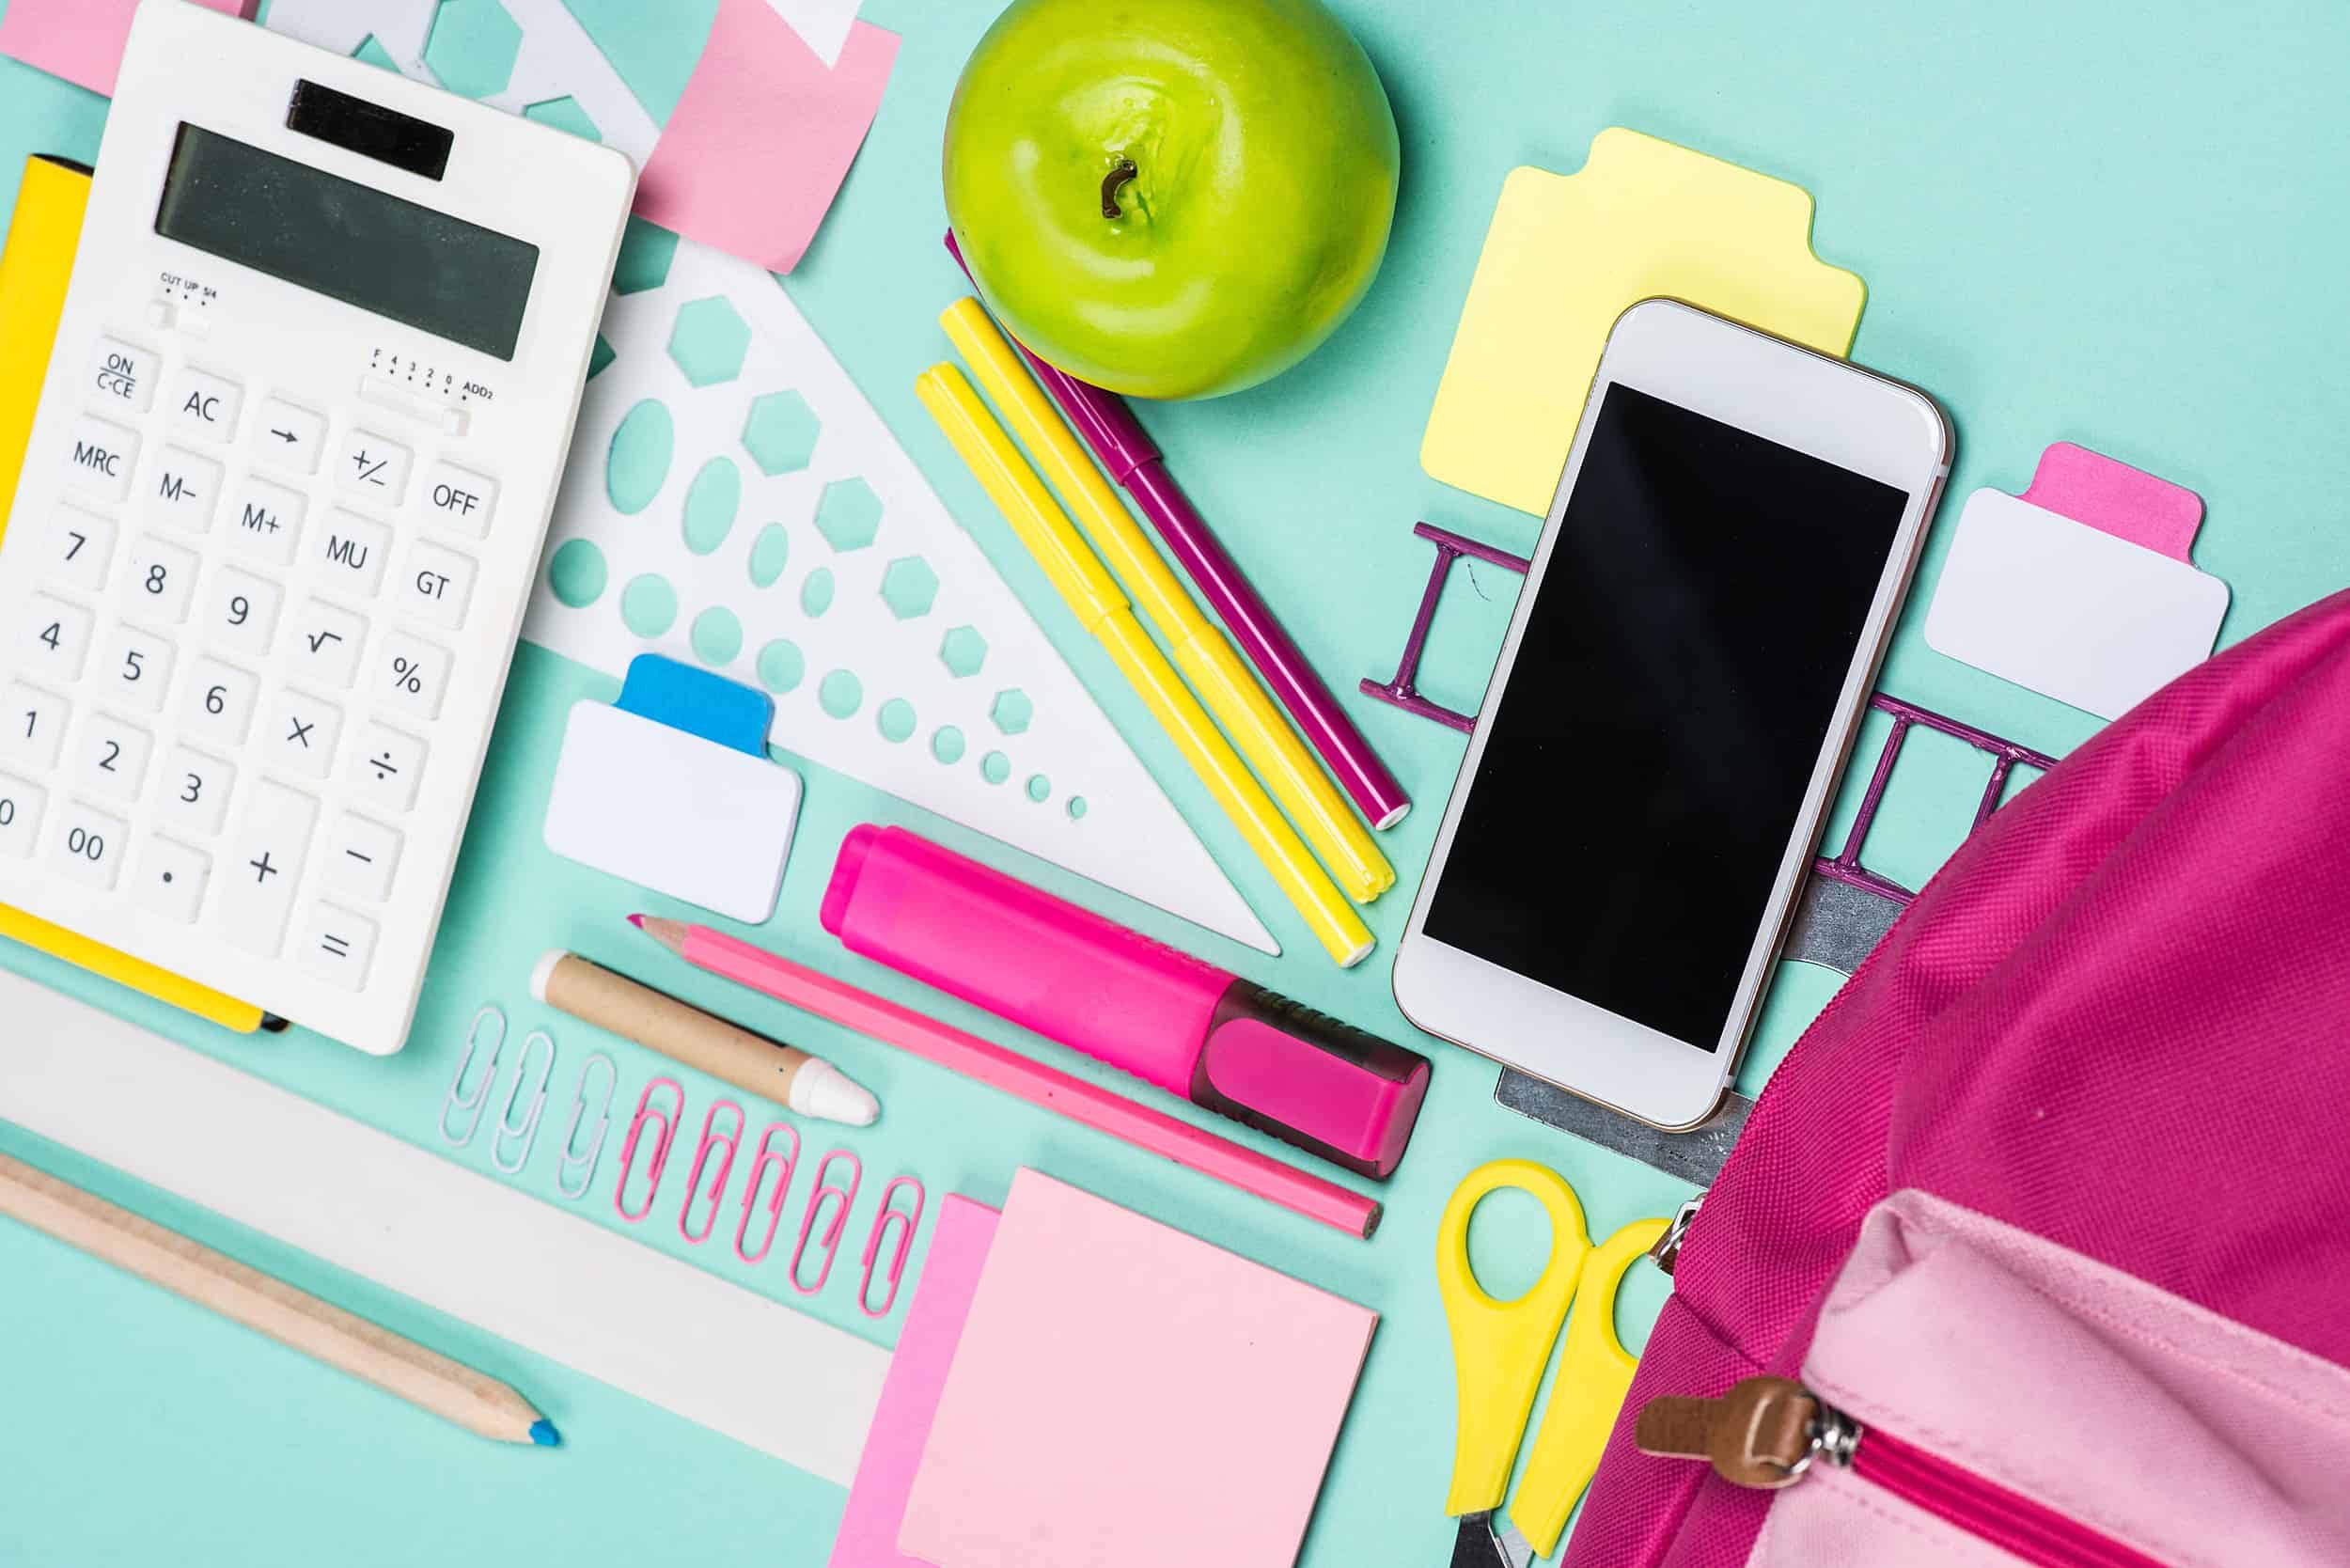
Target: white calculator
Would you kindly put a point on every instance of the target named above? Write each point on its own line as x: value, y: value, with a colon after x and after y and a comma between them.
x: 280, y: 511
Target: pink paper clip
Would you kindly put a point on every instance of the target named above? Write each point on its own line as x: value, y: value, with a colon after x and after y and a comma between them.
x: 907, y: 1221
x: 788, y: 1160
x: 668, y: 1120
x: 840, y: 1218
x: 711, y: 1138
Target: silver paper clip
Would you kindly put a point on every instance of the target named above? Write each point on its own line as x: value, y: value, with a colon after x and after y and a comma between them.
x: 907, y: 1220
x: 711, y: 1138
x: 469, y: 1106
x: 528, y: 1131
x: 767, y: 1153
x: 648, y: 1111
x: 572, y: 1160
x: 840, y: 1218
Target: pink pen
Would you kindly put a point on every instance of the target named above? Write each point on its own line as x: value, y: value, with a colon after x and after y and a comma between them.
x: 1127, y: 453
x: 1169, y: 1019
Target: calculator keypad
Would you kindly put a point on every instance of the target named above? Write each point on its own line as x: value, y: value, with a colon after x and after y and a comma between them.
x: 243, y: 622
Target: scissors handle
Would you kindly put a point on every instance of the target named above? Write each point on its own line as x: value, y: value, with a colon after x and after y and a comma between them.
x: 1594, y: 1374
x: 1499, y: 1348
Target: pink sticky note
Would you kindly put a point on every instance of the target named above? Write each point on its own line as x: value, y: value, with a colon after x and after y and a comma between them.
x: 1125, y: 1393
x: 81, y: 39
x: 909, y: 1396
x: 763, y: 135
x: 2115, y: 498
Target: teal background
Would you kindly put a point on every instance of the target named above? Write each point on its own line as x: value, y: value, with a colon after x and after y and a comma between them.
x: 2123, y: 227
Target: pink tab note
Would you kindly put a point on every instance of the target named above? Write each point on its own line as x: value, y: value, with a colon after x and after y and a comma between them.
x: 81, y: 39
x: 2115, y: 498
x: 763, y: 135
x: 909, y: 1397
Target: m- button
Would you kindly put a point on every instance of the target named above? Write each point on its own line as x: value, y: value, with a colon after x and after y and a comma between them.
x: 460, y: 498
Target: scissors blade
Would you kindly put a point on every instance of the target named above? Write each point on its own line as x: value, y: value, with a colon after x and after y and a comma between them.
x: 1479, y: 1545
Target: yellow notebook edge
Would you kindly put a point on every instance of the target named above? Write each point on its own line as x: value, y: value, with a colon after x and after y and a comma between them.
x: 35, y: 265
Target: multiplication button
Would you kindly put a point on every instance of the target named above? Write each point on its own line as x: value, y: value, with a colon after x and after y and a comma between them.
x: 372, y: 469
x: 261, y: 864
x: 302, y: 732
x: 99, y: 456
x: 121, y: 376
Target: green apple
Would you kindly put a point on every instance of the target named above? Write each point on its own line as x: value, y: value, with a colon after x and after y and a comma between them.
x: 1172, y: 198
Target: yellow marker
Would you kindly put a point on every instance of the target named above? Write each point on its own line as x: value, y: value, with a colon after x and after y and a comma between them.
x: 1077, y: 572
x: 1205, y: 656
x: 35, y: 267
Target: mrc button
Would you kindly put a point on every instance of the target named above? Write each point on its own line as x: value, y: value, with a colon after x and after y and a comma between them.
x: 460, y: 498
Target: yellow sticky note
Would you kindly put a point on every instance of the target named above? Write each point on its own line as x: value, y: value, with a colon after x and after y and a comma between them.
x: 1567, y: 254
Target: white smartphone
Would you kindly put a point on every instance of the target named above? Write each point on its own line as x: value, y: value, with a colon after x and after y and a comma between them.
x: 1688, y: 661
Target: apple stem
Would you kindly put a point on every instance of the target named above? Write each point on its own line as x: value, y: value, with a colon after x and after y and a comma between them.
x: 1118, y: 176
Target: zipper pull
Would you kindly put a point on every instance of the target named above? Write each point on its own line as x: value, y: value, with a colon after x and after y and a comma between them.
x: 1765, y: 1433
x: 1667, y: 1251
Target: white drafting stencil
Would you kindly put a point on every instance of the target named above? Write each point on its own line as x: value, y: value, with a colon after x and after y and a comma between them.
x: 554, y: 58
x: 761, y: 521
x: 2067, y: 610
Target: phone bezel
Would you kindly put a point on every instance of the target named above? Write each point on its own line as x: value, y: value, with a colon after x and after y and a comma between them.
x: 1833, y: 410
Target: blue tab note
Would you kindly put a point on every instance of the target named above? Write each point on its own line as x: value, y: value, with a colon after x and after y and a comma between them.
x: 695, y: 701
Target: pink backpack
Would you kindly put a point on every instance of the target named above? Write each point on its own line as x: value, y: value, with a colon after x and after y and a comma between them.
x: 2047, y: 1217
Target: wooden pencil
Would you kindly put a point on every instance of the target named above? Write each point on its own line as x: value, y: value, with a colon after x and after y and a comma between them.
x: 294, y: 1318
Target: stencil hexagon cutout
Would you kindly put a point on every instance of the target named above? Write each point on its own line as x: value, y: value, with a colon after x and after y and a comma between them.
x: 909, y: 613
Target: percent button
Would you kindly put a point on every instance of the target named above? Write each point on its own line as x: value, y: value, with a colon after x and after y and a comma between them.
x: 411, y: 675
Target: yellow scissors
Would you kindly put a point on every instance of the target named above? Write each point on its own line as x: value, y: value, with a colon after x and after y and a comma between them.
x: 1499, y: 1349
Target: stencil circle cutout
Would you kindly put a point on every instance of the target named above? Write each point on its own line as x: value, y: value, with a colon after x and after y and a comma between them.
x: 717, y: 635
x: 637, y: 464
x: 895, y: 719
x: 576, y: 573
x: 769, y: 552
x: 947, y: 744
x: 710, y: 503
x: 648, y: 605
x: 781, y: 667
x: 840, y: 693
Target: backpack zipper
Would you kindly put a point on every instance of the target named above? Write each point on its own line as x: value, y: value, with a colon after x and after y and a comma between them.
x: 1767, y: 1433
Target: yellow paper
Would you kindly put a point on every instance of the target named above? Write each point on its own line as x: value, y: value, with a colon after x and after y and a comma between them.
x: 1567, y: 254
x: 34, y: 269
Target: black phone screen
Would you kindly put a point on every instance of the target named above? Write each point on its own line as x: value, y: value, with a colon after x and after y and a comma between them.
x: 1678, y: 675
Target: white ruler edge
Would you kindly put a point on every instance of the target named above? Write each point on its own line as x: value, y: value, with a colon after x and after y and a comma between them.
x: 555, y: 1283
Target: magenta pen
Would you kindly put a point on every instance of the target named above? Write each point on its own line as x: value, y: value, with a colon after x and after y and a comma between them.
x: 1098, y: 987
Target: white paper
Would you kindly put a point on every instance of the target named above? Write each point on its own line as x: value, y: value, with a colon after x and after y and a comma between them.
x: 2067, y: 610
x: 1129, y: 835
x: 565, y: 1287
x: 671, y: 811
x: 822, y: 24
x: 400, y: 27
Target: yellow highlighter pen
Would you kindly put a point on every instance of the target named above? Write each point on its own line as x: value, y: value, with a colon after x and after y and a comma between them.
x: 1102, y: 610
x: 1202, y: 652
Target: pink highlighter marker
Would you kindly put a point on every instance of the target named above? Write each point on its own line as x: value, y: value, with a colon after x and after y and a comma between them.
x: 1118, y: 997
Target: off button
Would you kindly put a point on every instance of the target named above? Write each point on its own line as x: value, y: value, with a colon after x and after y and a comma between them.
x: 460, y: 498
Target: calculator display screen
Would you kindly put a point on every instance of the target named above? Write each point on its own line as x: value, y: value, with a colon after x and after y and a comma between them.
x: 1678, y: 675
x: 348, y: 241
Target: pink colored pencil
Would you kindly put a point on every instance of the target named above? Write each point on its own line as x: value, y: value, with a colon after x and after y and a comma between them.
x: 1020, y: 1076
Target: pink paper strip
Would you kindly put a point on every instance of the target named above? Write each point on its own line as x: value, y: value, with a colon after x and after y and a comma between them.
x: 2115, y: 498
x: 909, y: 1396
x: 763, y: 135
x: 81, y: 39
